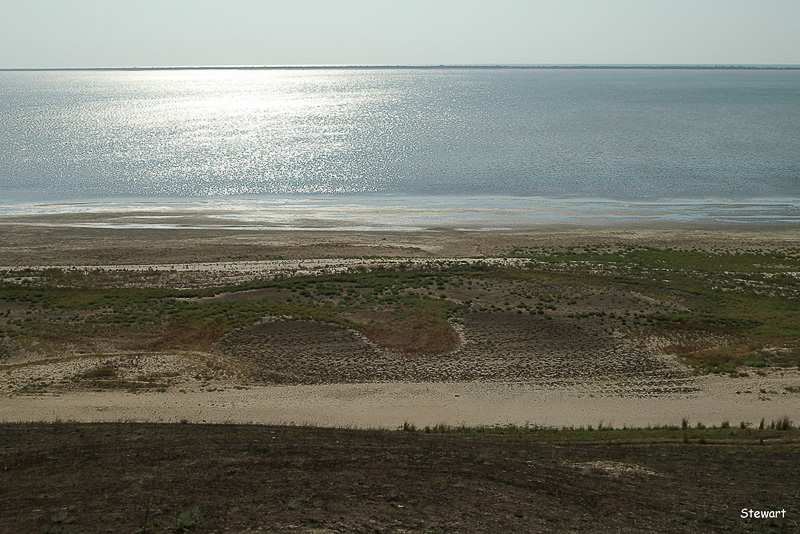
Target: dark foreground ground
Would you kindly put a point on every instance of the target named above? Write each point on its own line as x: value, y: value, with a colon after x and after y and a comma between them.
x: 71, y: 478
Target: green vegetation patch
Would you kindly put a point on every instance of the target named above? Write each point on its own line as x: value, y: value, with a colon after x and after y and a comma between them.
x: 719, y: 311
x: 750, y: 299
x: 382, y: 305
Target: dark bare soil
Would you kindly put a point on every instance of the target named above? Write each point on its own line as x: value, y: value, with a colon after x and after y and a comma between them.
x: 502, y: 346
x: 142, y: 478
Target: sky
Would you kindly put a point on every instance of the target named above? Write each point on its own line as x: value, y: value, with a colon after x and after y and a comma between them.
x: 148, y: 33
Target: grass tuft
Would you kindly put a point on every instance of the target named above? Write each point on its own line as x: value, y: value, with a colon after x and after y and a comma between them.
x: 187, y: 520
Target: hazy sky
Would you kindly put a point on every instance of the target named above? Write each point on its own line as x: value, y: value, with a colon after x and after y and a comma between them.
x: 118, y: 33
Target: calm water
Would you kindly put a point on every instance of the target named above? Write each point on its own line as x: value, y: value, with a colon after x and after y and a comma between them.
x: 640, y: 137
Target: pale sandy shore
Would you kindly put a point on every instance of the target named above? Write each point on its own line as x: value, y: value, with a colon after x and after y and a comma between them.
x: 389, y: 405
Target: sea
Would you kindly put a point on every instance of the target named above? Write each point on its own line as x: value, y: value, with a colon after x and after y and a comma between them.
x: 401, y: 148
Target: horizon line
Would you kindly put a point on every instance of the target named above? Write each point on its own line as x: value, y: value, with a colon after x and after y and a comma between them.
x: 632, y: 66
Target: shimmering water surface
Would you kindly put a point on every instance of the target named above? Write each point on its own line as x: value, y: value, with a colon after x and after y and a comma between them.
x: 669, y: 144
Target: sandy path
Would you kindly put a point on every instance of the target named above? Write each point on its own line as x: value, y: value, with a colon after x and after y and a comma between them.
x: 388, y: 405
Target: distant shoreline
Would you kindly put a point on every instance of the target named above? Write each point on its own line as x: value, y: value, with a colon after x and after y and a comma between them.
x: 412, y: 67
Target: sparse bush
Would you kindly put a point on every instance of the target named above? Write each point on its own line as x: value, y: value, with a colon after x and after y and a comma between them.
x: 187, y: 520
x: 100, y: 372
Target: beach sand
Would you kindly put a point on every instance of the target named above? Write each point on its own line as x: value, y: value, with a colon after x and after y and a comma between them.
x: 717, y: 399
